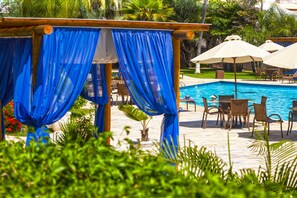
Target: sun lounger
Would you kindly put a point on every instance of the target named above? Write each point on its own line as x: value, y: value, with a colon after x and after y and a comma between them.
x: 290, y: 78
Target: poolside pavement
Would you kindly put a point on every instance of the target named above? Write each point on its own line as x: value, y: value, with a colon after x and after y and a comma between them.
x: 213, y: 137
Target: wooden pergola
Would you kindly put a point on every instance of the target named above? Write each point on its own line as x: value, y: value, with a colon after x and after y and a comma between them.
x: 36, y: 27
x: 284, y: 39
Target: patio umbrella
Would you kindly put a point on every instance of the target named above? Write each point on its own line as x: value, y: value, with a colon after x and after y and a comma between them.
x: 270, y: 46
x: 232, y: 50
x: 284, y: 58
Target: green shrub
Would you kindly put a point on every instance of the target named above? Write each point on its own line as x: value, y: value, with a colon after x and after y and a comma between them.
x: 91, y: 170
x: 95, y: 169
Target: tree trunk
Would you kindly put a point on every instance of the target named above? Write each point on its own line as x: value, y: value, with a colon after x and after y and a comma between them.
x: 144, y: 135
x: 199, y: 43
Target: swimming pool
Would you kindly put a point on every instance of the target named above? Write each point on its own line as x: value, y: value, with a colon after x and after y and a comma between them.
x: 279, y: 98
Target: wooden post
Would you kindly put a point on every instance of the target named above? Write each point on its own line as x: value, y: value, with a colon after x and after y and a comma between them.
x: 107, y: 116
x: 176, y: 62
x: 36, y: 41
x: 37, y: 34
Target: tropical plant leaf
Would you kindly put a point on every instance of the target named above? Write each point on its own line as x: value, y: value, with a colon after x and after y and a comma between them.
x: 133, y: 112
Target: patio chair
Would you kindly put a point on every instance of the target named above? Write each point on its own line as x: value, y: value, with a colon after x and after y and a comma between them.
x: 279, y: 74
x: 292, y: 117
x: 224, y: 104
x: 263, y: 101
x: 123, y: 93
x: 209, y: 110
x: 238, y: 108
x: 290, y: 77
x: 261, y: 116
x: 260, y: 73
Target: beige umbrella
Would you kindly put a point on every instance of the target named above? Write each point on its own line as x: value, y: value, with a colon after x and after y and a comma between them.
x: 232, y: 50
x: 284, y: 58
x: 270, y: 46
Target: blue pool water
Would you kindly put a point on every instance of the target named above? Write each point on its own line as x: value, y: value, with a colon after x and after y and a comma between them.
x: 279, y: 98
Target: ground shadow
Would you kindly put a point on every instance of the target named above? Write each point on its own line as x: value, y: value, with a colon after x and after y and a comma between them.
x: 197, y: 124
x: 274, y: 135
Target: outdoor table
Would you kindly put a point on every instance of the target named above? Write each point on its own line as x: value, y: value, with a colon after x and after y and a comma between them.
x: 229, y: 104
x: 270, y: 72
x: 293, y: 108
x: 187, y: 101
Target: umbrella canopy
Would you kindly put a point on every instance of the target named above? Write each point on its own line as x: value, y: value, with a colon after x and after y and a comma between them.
x: 232, y: 50
x: 270, y: 46
x: 284, y: 58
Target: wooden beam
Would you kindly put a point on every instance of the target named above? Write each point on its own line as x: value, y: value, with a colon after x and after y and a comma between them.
x: 26, y: 31
x: 22, y: 22
x: 283, y: 39
x: 176, y: 62
x: 107, y: 116
x: 183, y: 34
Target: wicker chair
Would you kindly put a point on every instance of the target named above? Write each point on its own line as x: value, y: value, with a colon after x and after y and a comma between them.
x: 292, y: 117
x: 123, y: 93
x: 238, y: 108
x: 261, y: 116
x: 263, y: 100
x: 260, y: 73
x: 209, y: 110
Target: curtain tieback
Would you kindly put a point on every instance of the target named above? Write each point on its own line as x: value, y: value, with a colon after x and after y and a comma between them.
x: 40, y: 135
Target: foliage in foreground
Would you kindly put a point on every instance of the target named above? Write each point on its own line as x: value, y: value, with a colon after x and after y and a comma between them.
x: 97, y: 170
x: 91, y: 170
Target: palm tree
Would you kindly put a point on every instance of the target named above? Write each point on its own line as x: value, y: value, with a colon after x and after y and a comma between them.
x: 146, y: 10
x: 49, y: 8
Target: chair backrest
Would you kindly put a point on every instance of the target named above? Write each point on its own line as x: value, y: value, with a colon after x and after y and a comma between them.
x: 260, y: 112
x: 205, y: 104
x: 263, y: 100
x: 239, y: 107
x: 295, y: 75
x: 122, y: 89
x: 294, y: 104
x: 280, y: 72
x: 224, y: 105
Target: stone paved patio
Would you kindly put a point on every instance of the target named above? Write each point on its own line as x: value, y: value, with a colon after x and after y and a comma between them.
x: 213, y: 137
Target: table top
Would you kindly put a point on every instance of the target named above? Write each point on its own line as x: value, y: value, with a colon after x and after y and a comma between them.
x: 293, y: 108
x: 271, y: 69
x: 228, y: 101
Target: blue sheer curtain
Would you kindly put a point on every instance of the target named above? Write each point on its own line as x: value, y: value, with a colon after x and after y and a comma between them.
x: 64, y: 63
x: 95, y: 90
x: 146, y: 64
x: 12, y: 51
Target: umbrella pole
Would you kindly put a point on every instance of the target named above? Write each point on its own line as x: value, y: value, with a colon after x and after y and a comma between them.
x: 235, y: 83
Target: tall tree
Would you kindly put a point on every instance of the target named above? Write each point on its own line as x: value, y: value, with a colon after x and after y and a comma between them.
x: 199, y: 43
x: 273, y: 22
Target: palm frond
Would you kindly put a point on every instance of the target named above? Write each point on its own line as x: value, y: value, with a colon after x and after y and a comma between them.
x: 280, y: 161
x: 193, y: 161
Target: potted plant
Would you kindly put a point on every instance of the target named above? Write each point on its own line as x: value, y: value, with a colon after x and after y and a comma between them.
x: 136, y: 114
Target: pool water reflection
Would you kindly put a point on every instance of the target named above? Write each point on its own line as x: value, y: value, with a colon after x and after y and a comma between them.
x: 279, y: 98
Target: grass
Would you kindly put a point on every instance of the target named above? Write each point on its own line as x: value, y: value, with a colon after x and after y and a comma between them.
x: 211, y: 73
